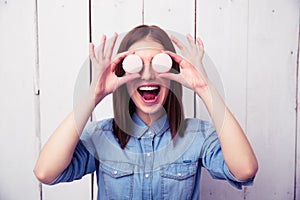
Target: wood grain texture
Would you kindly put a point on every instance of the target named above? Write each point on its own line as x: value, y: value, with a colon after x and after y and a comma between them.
x: 223, y: 28
x: 64, y: 40
x: 17, y: 64
x: 271, y: 99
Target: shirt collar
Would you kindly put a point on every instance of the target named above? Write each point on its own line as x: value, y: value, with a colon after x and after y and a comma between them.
x: 157, y: 128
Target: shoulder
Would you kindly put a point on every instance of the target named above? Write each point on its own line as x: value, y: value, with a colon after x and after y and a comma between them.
x: 198, y: 125
x: 97, y: 127
x: 205, y: 135
x: 104, y: 125
x: 94, y: 131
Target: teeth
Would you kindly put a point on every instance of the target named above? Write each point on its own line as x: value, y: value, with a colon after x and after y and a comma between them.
x: 148, y: 88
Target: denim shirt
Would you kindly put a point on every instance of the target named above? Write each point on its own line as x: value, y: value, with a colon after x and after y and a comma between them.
x: 152, y: 165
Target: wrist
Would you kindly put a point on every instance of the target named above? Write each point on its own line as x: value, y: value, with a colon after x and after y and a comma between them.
x: 205, y: 93
x: 95, y: 96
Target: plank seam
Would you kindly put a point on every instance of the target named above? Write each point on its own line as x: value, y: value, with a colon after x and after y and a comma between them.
x: 36, y: 80
x: 90, y: 80
x: 195, y: 36
x: 247, y: 83
x: 296, y: 121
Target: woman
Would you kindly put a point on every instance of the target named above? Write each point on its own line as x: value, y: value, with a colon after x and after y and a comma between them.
x: 148, y: 150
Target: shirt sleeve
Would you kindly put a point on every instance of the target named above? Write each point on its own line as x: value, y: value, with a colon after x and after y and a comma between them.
x: 213, y: 161
x: 83, y: 162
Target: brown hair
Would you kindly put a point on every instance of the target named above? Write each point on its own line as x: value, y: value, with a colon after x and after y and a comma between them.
x: 122, y: 103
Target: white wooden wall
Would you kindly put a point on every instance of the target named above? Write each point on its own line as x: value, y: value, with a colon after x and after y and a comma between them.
x: 254, y: 45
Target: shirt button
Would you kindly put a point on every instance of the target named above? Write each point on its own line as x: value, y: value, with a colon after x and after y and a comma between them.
x: 115, y: 172
x: 148, y: 154
x: 146, y: 175
x: 149, y: 132
x: 179, y: 174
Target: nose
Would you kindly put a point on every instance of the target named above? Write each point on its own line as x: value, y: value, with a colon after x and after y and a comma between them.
x: 147, y: 73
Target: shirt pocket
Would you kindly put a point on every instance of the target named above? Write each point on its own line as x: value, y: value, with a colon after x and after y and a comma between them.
x: 178, y: 180
x: 117, y: 179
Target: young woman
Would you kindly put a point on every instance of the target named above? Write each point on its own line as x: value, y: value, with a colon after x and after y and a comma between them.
x: 148, y: 150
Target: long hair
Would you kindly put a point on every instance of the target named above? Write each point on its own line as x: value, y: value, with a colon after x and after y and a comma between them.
x: 124, y: 107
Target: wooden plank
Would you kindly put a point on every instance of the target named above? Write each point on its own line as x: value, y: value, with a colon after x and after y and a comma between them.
x: 169, y: 15
x: 297, y: 175
x: 64, y: 39
x: 271, y: 117
x: 223, y: 28
x: 109, y: 17
x: 17, y: 63
x: 123, y: 16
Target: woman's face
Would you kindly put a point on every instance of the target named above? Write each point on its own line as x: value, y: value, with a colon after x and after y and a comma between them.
x: 148, y: 93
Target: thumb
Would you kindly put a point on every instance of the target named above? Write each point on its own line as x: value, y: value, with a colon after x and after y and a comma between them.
x: 170, y: 76
x: 128, y: 78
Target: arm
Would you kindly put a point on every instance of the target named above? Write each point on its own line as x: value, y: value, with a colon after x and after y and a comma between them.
x: 236, y: 149
x: 57, y: 153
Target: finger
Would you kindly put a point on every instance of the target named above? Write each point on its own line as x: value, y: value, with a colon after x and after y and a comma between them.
x: 200, y: 44
x: 118, y: 59
x: 178, y: 43
x: 112, y: 45
x: 92, y: 53
x: 171, y: 76
x: 128, y: 78
x: 183, y: 62
x: 102, y: 47
x: 174, y: 56
x: 191, y: 41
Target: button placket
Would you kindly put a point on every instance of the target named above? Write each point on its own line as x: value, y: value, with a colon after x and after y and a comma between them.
x: 150, y: 133
x: 148, y: 162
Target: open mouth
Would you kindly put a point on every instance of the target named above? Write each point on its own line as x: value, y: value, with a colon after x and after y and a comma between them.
x: 149, y: 93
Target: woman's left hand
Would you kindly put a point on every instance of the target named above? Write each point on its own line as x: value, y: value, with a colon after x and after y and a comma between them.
x: 192, y: 74
x: 236, y: 149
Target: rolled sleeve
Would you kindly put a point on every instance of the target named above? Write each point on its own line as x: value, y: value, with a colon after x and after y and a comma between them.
x: 213, y: 161
x: 234, y: 181
x: 81, y: 164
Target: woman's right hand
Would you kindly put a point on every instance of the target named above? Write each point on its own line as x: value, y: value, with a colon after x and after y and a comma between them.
x: 104, y: 79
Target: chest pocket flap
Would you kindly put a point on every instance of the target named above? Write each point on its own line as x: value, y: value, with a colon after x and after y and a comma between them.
x: 117, y: 169
x: 179, y: 171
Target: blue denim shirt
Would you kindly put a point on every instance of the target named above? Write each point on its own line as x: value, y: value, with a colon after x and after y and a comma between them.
x: 152, y: 165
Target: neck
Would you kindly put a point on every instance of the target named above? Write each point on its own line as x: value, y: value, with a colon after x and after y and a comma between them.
x: 150, y: 118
